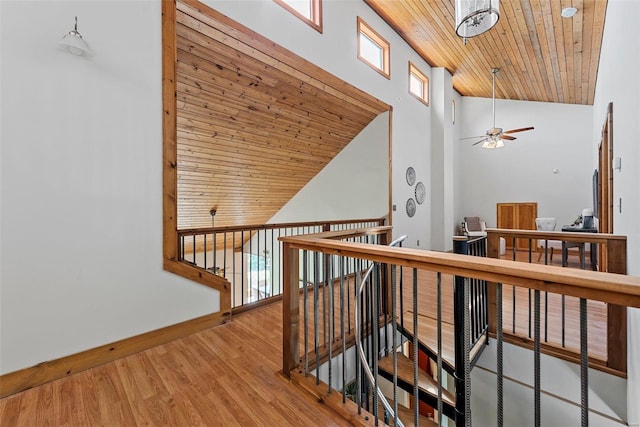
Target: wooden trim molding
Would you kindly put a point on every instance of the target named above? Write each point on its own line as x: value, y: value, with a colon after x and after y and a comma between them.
x: 15, y: 382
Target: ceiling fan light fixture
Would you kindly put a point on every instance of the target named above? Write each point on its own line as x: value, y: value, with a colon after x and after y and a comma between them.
x: 474, y: 17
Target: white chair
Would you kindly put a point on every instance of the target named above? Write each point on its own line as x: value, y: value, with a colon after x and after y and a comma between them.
x: 473, y: 227
x: 547, y: 224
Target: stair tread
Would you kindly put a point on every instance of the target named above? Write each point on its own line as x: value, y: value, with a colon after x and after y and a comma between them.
x: 428, y: 336
x: 405, y: 373
x: 406, y: 416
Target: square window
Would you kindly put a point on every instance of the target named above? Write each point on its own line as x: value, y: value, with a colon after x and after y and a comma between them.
x: 418, y: 84
x: 373, y: 50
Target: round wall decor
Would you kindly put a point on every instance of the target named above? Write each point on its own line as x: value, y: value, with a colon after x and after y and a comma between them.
x: 411, y: 207
x: 411, y: 176
x: 421, y: 193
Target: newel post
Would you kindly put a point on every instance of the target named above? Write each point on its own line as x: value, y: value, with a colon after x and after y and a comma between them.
x: 290, y: 309
x: 617, y: 314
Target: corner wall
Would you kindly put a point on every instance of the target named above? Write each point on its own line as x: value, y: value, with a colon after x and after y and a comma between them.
x: 617, y: 83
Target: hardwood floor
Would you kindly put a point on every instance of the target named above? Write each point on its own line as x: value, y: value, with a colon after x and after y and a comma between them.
x: 223, y: 376
x: 228, y: 375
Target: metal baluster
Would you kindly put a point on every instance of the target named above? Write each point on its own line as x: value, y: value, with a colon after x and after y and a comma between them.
x: 182, y: 247
x: 242, y: 265
x: 325, y: 312
x: 375, y: 335
x: 536, y: 356
x: 546, y: 315
x: 273, y: 285
x: 316, y: 335
x: 514, y: 309
x: 233, y: 264
x: 331, y: 320
x: 343, y: 332
x: 205, y: 252
x: 213, y: 249
x: 394, y: 337
x: 257, y: 272
x: 584, y: 365
x: 467, y: 351
x: 416, y: 395
x: 194, y: 248
x: 499, y: 338
x: 224, y: 256
x: 250, y: 263
x: 439, y: 338
x: 563, y: 321
x: 305, y: 279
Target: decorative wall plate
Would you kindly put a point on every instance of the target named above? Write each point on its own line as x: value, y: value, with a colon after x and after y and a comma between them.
x: 411, y: 176
x: 421, y: 193
x: 411, y: 207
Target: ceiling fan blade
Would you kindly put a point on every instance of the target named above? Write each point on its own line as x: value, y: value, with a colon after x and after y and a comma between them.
x: 518, y: 130
x: 508, y: 137
x: 482, y: 140
x: 473, y: 137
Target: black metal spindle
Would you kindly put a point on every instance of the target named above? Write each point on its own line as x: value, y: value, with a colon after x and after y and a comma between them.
x: 205, y: 252
x: 499, y: 337
x: 242, y: 267
x: 316, y: 333
x: 536, y: 356
x: 584, y: 365
x: 305, y: 288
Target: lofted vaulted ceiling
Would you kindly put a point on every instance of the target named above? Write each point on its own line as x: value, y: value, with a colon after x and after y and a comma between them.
x: 541, y: 56
x: 254, y: 121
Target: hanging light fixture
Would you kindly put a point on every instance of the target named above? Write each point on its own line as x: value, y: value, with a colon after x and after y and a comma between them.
x: 474, y: 17
x: 74, y: 43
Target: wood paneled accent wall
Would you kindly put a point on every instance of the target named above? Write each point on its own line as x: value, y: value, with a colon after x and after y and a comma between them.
x: 255, y: 122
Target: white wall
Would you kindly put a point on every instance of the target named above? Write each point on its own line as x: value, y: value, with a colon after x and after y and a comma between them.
x: 522, y: 171
x: 81, y: 183
x: 442, y: 161
x: 355, y: 183
x: 560, y: 385
x: 617, y: 83
x: 335, y: 51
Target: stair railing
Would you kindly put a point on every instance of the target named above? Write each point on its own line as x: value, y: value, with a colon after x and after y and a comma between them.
x: 373, y: 323
x: 605, y: 287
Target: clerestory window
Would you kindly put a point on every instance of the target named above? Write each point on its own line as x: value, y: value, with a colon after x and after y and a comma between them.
x: 309, y: 11
x: 373, y: 50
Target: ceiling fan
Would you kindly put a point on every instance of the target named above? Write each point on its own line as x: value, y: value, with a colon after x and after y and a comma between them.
x: 494, y: 137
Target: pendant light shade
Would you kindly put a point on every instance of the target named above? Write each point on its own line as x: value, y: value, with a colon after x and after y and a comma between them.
x: 73, y: 42
x: 474, y: 17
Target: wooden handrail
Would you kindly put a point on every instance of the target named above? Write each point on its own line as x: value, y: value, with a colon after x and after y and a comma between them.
x: 556, y: 235
x: 606, y: 287
x: 231, y: 228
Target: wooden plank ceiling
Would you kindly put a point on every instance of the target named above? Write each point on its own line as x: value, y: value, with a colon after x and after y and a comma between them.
x: 541, y: 56
x: 255, y: 122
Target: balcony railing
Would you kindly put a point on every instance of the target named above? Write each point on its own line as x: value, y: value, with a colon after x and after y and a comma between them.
x: 430, y: 272
x: 250, y: 256
x: 560, y: 313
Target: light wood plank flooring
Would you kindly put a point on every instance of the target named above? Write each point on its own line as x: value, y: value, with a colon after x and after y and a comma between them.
x: 225, y: 376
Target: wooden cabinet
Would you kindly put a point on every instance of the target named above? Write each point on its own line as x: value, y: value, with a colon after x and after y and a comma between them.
x: 518, y: 216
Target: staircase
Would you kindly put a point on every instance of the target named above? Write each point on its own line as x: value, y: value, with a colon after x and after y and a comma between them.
x: 433, y: 338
